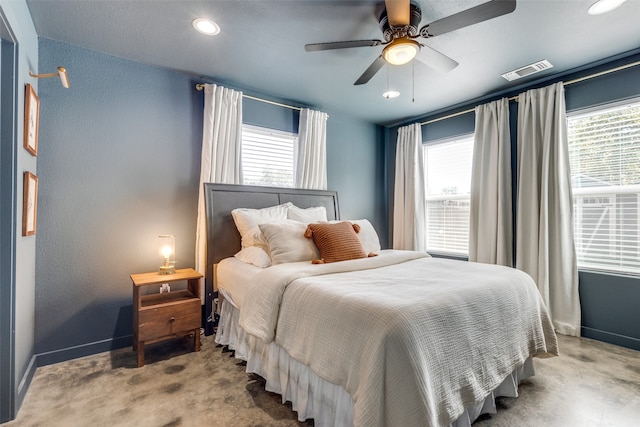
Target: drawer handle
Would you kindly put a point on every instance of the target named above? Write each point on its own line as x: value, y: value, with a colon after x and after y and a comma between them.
x: 173, y: 319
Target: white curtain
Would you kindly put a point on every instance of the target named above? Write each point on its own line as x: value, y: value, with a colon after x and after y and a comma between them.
x: 544, y: 223
x: 221, y: 153
x: 409, y: 216
x: 490, y: 226
x: 311, y: 164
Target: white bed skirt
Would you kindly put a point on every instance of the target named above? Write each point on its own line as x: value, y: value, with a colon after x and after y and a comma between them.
x: 312, y: 397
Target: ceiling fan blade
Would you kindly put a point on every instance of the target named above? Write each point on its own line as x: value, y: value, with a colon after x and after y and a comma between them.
x: 436, y: 60
x: 371, y: 71
x: 397, y: 12
x: 480, y: 13
x: 341, y: 45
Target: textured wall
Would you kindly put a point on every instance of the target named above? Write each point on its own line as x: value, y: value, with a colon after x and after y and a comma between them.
x: 119, y: 156
x: 120, y: 164
x: 356, y: 170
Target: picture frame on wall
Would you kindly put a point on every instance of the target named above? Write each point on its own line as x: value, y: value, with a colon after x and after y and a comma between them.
x: 31, y: 120
x: 30, y: 204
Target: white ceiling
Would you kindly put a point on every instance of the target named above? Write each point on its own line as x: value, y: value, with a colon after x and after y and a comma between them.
x: 261, y: 46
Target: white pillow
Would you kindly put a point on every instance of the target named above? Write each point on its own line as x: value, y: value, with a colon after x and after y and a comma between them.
x: 246, y: 219
x: 287, y: 243
x: 308, y: 215
x: 254, y: 237
x: 367, y: 235
x: 254, y: 255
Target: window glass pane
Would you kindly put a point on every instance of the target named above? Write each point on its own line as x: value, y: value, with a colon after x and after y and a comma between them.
x: 267, y: 156
x: 448, y: 176
x: 604, y: 152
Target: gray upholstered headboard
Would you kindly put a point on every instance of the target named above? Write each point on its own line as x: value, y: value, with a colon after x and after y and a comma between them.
x: 223, y: 239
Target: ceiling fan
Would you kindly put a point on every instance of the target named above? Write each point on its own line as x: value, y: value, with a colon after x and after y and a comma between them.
x: 399, y: 22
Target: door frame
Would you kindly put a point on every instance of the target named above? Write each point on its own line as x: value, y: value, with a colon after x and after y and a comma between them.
x: 8, y: 188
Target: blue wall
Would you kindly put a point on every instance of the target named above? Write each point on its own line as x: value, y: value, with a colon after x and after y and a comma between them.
x: 609, y: 301
x: 356, y: 169
x: 119, y: 164
x: 119, y: 155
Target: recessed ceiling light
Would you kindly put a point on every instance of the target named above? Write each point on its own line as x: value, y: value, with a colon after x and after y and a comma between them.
x: 391, y: 94
x: 206, y: 26
x: 604, y: 6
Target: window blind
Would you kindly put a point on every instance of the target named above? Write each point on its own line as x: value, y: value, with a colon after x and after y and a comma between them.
x: 604, y: 153
x: 268, y: 156
x: 448, y: 176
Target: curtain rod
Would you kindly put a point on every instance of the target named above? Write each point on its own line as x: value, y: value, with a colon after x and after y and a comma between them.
x: 514, y: 98
x: 200, y: 87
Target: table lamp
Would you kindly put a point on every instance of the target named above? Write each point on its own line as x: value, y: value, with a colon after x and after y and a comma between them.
x: 168, y: 253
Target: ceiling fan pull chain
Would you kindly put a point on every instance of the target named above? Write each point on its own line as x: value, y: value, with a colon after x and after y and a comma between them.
x: 413, y: 81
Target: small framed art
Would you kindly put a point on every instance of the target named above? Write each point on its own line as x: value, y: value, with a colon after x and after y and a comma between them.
x: 31, y: 119
x: 29, y: 204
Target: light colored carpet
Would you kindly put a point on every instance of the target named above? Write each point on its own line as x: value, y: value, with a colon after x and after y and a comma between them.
x: 590, y: 384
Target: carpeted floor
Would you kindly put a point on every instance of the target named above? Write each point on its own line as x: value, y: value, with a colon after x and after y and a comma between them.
x: 590, y: 384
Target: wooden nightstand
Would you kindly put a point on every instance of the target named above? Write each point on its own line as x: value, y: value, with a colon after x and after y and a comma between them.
x: 162, y: 316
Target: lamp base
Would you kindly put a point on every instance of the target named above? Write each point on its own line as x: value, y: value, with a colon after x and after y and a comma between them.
x: 168, y: 269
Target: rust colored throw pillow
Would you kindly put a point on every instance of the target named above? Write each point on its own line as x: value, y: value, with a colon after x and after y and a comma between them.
x: 336, y: 242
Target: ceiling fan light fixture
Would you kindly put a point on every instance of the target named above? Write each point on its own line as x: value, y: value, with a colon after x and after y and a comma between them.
x: 604, y: 6
x: 206, y: 26
x: 400, y: 51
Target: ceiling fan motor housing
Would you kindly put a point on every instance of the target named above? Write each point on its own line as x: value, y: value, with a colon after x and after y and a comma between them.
x: 411, y: 30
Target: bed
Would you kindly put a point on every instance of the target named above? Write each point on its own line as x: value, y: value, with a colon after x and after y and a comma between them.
x: 397, y: 339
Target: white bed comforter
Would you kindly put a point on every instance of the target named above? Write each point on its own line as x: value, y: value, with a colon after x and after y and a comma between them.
x: 413, y: 339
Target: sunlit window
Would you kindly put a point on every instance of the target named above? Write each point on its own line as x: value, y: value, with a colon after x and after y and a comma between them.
x: 448, y: 183
x: 268, y: 156
x: 604, y: 151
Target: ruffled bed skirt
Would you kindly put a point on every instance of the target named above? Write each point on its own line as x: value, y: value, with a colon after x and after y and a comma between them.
x: 313, y: 397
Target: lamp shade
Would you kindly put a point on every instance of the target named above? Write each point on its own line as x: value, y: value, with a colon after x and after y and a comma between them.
x: 400, y: 51
x: 168, y: 253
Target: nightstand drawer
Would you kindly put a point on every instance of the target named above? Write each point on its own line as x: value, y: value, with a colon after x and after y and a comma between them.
x: 156, y: 322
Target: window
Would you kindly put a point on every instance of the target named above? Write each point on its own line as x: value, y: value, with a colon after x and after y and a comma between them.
x: 268, y: 156
x: 604, y: 152
x: 448, y: 176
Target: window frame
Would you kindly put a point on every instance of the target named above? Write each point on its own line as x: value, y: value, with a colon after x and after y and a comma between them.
x: 444, y: 252
x: 612, y: 193
x: 275, y: 133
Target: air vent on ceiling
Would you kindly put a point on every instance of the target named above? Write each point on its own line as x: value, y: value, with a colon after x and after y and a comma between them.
x: 527, y: 70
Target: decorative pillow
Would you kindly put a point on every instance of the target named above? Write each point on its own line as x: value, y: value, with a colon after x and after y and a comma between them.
x: 336, y: 242
x: 246, y: 219
x: 308, y: 215
x: 254, y: 255
x: 287, y: 243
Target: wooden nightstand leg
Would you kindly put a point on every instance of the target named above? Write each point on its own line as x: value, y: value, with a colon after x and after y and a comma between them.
x: 196, y: 337
x: 140, y: 354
